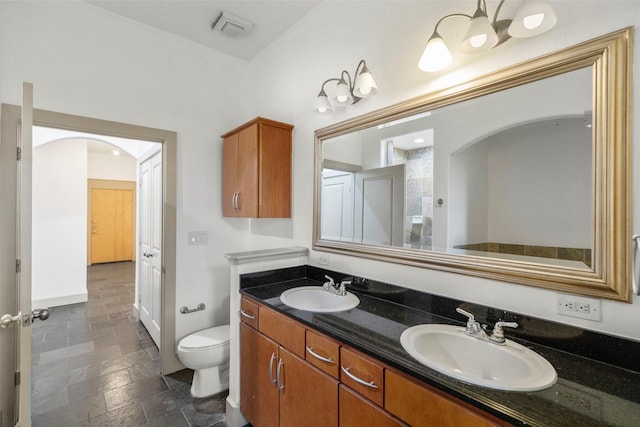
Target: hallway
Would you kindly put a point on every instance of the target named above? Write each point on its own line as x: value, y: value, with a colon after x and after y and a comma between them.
x: 94, y: 364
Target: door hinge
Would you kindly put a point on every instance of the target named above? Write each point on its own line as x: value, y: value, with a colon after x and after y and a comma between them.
x: 19, y: 153
x: 18, y: 378
x: 18, y: 266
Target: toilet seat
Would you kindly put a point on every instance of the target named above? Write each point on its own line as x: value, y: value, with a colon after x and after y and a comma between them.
x: 206, y: 339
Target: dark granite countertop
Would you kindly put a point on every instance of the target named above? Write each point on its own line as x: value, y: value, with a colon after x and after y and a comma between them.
x: 596, y: 386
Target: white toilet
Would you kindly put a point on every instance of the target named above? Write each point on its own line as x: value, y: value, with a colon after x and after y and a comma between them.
x: 207, y: 353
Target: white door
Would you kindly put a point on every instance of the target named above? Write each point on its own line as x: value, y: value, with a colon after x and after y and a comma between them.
x: 15, y: 262
x: 337, y: 205
x: 150, y: 257
x: 379, y: 206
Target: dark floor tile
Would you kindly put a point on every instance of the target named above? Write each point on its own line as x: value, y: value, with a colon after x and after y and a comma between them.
x: 39, y: 371
x: 199, y: 419
x: 179, y: 378
x: 100, y: 384
x: 167, y: 402
x: 145, y: 369
x: 130, y: 416
x: 121, y: 396
x: 174, y: 419
x: 73, y: 413
x: 106, y: 385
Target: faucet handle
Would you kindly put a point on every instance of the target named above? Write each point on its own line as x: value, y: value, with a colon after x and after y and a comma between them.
x: 330, y: 280
x: 498, y: 332
x: 472, y: 326
x: 466, y: 313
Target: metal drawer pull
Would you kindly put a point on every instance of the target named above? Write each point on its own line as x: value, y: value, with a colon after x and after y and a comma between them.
x: 273, y: 357
x: 247, y: 315
x: 280, y: 365
x: 317, y: 356
x: 358, y: 380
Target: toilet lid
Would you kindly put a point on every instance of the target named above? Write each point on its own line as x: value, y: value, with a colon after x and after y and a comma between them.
x: 207, y: 338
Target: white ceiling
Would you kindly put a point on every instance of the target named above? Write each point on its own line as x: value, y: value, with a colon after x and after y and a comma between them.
x: 192, y: 19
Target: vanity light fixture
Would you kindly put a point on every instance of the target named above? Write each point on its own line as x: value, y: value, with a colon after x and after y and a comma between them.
x: 482, y: 35
x: 347, y: 92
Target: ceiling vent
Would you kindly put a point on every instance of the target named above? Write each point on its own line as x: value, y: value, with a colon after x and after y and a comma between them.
x: 231, y: 25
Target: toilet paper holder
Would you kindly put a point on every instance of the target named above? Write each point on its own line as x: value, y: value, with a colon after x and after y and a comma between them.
x: 187, y: 310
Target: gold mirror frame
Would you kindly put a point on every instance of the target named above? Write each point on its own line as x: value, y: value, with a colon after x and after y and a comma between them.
x: 610, y: 58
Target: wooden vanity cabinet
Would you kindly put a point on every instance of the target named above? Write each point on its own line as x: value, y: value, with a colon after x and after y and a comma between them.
x: 256, y: 170
x: 277, y: 386
x: 283, y: 384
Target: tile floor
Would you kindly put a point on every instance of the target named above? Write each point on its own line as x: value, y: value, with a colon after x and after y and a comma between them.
x: 94, y: 364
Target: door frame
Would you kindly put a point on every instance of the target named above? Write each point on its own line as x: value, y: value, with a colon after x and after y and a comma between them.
x: 169, y: 362
x: 110, y: 184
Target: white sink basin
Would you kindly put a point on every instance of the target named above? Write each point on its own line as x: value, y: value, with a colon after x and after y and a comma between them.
x: 316, y: 299
x: 448, y: 350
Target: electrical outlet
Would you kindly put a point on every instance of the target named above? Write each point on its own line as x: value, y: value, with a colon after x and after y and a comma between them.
x: 581, y: 307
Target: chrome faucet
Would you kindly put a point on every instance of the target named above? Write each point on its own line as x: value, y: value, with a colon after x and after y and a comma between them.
x: 476, y: 330
x: 334, y: 288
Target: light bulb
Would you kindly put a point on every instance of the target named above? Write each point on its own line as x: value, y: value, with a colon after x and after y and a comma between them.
x: 533, y: 21
x: 478, y: 41
x: 365, y: 90
x: 436, y: 55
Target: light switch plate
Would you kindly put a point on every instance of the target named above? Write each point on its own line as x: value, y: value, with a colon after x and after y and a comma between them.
x: 197, y: 238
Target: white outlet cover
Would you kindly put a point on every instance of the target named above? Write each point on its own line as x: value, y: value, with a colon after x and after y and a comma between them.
x: 594, y: 313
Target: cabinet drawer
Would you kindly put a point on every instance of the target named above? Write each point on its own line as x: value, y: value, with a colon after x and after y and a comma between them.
x: 355, y: 411
x: 362, y: 374
x: 323, y: 353
x: 420, y: 405
x: 249, y: 312
x: 288, y: 333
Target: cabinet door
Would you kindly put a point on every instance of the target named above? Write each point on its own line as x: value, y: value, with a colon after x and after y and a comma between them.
x: 356, y: 411
x: 308, y: 396
x: 258, y: 392
x: 275, y: 172
x: 248, y: 162
x: 422, y: 406
x: 229, y: 174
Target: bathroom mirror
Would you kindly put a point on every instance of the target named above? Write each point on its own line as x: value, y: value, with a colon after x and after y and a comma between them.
x: 522, y: 175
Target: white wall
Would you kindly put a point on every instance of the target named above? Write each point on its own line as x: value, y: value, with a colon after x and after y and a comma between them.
x: 391, y: 39
x: 540, y: 186
x: 59, y: 194
x: 108, y: 166
x: 85, y: 61
x: 82, y: 61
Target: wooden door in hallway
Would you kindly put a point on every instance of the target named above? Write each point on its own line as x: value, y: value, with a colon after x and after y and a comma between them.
x: 112, y: 229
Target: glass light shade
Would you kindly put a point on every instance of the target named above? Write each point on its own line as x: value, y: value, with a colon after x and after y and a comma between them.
x: 322, y: 103
x: 365, y: 85
x: 342, y: 95
x: 533, y: 18
x: 481, y: 36
x: 436, y: 55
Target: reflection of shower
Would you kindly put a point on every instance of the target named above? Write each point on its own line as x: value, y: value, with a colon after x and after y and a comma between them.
x: 418, y: 185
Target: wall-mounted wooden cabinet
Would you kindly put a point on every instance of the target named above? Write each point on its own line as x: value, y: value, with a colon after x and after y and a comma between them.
x: 256, y: 170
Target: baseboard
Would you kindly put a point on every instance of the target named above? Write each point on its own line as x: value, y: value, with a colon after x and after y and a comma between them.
x: 233, y: 415
x: 58, y: 301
